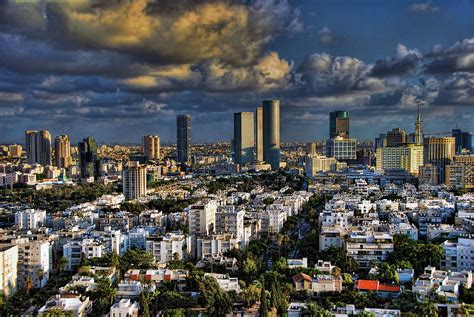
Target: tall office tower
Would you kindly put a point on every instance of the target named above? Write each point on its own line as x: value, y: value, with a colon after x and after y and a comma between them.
x: 244, y: 141
x: 339, y: 124
x: 38, y: 147
x: 88, y: 163
x: 134, y: 180
x: 439, y: 151
x: 311, y: 148
x: 183, y: 136
x: 151, y: 147
x: 381, y: 141
x: 396, y: 137
x: 463, y: 140
x: 418, y: 132
x: 259, y: 133
x: 62, y: 149
x: 271, y: 132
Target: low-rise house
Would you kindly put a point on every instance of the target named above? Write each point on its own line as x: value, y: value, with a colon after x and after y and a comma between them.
x: 381, y: 289
x: 297, y: 263
x: 68, y: 304
x: 125, y: 307
x: 324, y: 266
x: 317, y: 285
x: 225, y: 282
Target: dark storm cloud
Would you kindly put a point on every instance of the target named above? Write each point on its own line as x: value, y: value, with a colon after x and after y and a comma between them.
x: 457, y: 57
x: 406, y: 62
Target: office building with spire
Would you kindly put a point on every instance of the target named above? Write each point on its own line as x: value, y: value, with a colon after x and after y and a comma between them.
x: 183, y: 139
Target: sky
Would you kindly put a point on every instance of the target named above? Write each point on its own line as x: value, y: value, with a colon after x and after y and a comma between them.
x: 117, y: 70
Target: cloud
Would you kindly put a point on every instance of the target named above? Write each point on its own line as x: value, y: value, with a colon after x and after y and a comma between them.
x: 423, y: 7
x: 10, y: 97
x: 406, y: 62
x: 457, y: 57
x: 161, y: 32
x: 326, y: 36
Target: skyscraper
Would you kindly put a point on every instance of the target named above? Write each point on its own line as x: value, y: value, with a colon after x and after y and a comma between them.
x: 183, y: 136
x: 134, y: 180
x: 244, y: 137
x: 62, y: 150
x: 151, y: 147
x: 463, y: 140
x: 259, y: 133
x: 439, y: 151
x: 418, y: 132
x: 339, y: 124
x: 271, y: 132
x: 38, y: 147
x: 88, y: 163
x: 396, y: 137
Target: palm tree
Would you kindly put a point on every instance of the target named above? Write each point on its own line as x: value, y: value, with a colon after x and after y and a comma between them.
x: 62, y: 262
x: 28, y: 284
x: 40, y: 274
x: 336, y: 272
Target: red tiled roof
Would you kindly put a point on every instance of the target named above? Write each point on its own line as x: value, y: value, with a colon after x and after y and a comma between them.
x: 374, y: 285
x: 301, y: 276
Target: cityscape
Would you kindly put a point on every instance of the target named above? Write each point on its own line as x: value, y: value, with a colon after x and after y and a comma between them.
x: 167, y: 158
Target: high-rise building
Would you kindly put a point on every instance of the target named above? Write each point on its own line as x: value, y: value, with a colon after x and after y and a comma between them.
x: 14, y: 151
x: 341, y: 149
x: 183, y: 136
x: 151, y: 147
x: 311, y: 148
x: 271, y: 132
x: 439, y: 151
x: 134, y: 180
x: 88, y: 162
x: 460, y: 173
x: 38, y: 147
x: 62, y: 151
x: 463, y: 140
x: 408, y: 157
x: 339, y: 124
x: 380, y: 141
x: 30, y: 218
x: 243, y: 137
x: 396, y: 137
x: 8, y: 269
x: 259, y: 133
x: 418, y: 130
x: 202, y: 217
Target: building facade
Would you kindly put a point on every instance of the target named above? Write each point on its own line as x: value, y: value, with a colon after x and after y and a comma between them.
x: 271, y: 132
x: 151, y: 147
x: 183, y: 139
x: 134, y: 180
x: 339, y: 124
x: 244, y: 135
x: 38, y: 147
x: 62, y: 151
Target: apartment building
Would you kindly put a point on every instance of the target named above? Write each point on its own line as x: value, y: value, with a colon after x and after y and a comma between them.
x: 8, y: 269
x: 369, y: 247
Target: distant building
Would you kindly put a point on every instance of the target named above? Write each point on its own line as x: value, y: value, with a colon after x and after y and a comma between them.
x: 317, y: 163
x: 439, y: 151
x: 124, y: 307
x: 408, y: 157
x: 183, y: 138
x: 463, y: 140
x: 88, y: 162
x: 62, y: 151
x: 15, y: 150
x: 30, y: 219
x: 230, y: 220
x: 341, y: 149
x: 460, y: 172
x: 38, y: 147
x: 134, y: 180
x: 151, y: 147
x: 202, y: 217
x: 66, y: 305
x: 458, y: 254
x: 396, y: 137
x: 428, y: 174
x: 244, y: 141
x: 339, y: 124
x: 165, y: 248
x: 271, y: 132
x: 8, y: 270
x: 259, y: 133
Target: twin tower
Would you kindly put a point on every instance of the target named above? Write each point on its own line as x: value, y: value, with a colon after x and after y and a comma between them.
x: 257, y: 135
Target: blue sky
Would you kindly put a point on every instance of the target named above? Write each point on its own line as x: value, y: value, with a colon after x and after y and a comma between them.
x: 118, y: 71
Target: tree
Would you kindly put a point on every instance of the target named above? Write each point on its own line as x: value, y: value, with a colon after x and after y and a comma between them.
x: 317, y: 311
x: 263, y: 300
x: 62, y: 263
x: 250, y: 295
x: 40, y: 275
x: 28, y: 284
x: 137, y: 259
x: 428, y: 309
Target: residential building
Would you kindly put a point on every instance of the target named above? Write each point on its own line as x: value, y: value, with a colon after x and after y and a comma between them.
x: 381, y: 289
x: 75, y: 250
x: 166, y: 248
x: 30, y: 219
x: 38, y: 147
x: 151, y: 147
x: 70, y: 304
x: 134, y: 180
x: 458, y: 254
x: 230, y: 220
x: 124, y: 308
x: 317, y: 285
x: 369, y: 247
x: 202, y: 217
x: 460, y: 172
x: 8, y: 269
x: 215, y: 245
x: 62, y: 151
x: 225, y: 282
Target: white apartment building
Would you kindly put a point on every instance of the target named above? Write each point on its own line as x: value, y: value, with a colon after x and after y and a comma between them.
x: 202, y: 217
x: 215, y: 245
x: 458, y: 255
x: 74, y: 251
x: 69, y: 304
x: 225, y: 282
x: 369, y: 247
x: 124, y: 308
x: 30, y: 218
x: 8, y: 269
x: 164, y: 248
x: 276, y: 218
x: 34, y: 255
x: 230, y: 220
x: 331, y: 236
x: 134, y: 180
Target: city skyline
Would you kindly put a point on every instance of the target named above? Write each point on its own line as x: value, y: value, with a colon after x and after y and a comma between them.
x: 314, y: 56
